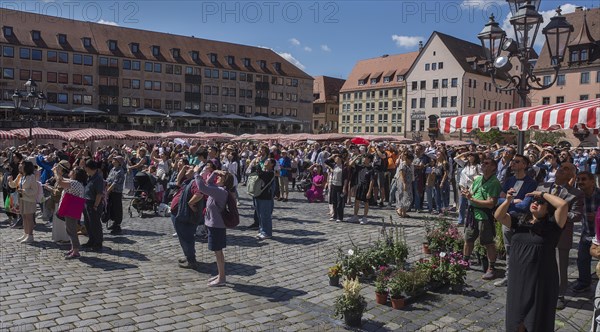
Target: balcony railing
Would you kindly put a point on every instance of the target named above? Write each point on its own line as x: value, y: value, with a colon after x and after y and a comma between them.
x: 108, y: 71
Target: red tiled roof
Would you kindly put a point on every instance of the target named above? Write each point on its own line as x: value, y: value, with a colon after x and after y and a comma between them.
x: 400, y: 63
x: 327, y: 87
x: 49, y: 26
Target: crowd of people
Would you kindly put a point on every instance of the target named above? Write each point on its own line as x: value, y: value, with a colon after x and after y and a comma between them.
x: 539, y: 197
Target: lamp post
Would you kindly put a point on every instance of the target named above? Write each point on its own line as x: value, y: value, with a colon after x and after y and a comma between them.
x: 526, y: 21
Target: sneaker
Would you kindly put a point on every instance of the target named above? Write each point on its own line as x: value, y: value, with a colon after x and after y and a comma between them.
x: 502, y: 282
x: 174, y: 234
x: 363, y: 220
x: 489, y: 275
x: 263, y: 237
x: 580, y: 288
x: 332, y: 219
x: 561, y: 303
x: 338, y: 220
x: 188, y: 265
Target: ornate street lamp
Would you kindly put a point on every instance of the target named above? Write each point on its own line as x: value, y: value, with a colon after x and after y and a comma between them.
x: 32, y: 99
x: 526, y: 21
x: 17, y: 98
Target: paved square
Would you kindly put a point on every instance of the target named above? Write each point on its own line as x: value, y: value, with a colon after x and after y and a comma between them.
x: 276, y: 285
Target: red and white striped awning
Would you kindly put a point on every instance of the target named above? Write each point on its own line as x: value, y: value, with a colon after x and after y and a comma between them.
x: 140, y: 135
x: 40, y: 133
x: 93, y: 134
x: 7, y: 135
x: 544, y: 117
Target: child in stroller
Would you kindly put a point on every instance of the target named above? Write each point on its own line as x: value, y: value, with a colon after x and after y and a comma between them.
x: 304, y: 177
x: 144, y: 197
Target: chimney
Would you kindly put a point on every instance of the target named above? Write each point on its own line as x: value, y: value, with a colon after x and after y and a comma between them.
x: 420, y: 46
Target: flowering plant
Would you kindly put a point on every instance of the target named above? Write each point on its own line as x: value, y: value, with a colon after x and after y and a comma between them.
x: 335, y: 270
x: 383, y: 277
x: 352, y: 262
x: 447, y: 268
x: 351, y: 301
x: 444, y: 236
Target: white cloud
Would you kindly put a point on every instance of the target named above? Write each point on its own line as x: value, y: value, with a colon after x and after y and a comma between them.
x: 289, y: 57
x: 325, y: 48
x: 547, y: 15
x: 307, y: 49
x: 295, y: 42
x: 108, y: 23
x: 407, y: 41
x: 482, y: 4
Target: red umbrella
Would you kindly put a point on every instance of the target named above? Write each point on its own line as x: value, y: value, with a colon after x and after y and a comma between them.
x: 359, y: 141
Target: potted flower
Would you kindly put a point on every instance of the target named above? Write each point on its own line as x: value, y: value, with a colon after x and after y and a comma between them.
x: 351, y: 304
x: 381, y: 285
x: 334, y: 275
x: 352, y: 262
x: 398, y: 285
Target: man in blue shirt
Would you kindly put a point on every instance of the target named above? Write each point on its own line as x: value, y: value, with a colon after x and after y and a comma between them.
x: 285, y: 164
x: 520, y: 184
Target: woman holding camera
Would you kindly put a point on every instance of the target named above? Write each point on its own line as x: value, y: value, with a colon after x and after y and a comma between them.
x: 27, y: 187
x: 533, y: 278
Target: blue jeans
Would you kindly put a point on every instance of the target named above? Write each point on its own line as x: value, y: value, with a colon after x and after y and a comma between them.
x: 445, y: 195
x: 393, y: 189
x: 185, y: 234
x: 584, y: 260
x: 433, y: 194
x: 462, y: 212
x: 264, y: 210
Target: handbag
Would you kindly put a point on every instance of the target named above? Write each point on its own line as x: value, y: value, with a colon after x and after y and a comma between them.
x: 70, y: 206
x: 14, y: 203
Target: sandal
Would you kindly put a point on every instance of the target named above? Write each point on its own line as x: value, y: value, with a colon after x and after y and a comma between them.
x: 69, y: 253
x: 73, y: 256
x: 213, y: 278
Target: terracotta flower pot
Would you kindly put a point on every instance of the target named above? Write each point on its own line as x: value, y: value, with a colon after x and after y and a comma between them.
x: 426, y: 250
x: 381, y: 298
x: 334, y: 281
x: 353, y: 318
x: 397, y: 303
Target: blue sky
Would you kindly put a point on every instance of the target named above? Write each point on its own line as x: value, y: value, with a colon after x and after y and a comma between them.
x: 320, y: 37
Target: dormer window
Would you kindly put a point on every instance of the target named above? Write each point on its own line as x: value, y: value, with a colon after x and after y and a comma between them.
x: 387, y: 79
x: 135, y: 48
x: 62, y: 39
x: 8, y: 31
x: 195, y: 55
x: 155, y: 50
x: 247, y: 62
x: 399, y: 78
x: 361, y: 82
x: 36, y: 35
x: 176, y: 53
x: 230, y: 60
x: 213, y: 57
x: 277, y: 66
x: 262, y: 64
x: 87, y: 42
x: 112, y: 45
x: 374, y: 81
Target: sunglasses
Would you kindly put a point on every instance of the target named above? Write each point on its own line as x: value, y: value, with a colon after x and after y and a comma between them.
x: 540, y: 201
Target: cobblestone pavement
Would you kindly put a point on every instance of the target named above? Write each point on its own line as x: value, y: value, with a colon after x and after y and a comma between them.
x: 275, y: 285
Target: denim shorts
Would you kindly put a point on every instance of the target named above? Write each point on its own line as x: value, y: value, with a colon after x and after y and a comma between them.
x: 217, y: 239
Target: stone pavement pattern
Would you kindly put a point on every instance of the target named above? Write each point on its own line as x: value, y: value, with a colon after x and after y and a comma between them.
x: 275, y: 285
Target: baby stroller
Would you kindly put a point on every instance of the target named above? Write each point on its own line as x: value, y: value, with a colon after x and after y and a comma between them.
x: 144, y: 197
x: 304, y: 180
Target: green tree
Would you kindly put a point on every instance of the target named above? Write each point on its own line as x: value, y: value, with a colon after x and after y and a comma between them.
x: 550, y: 137
x: 490, y: 137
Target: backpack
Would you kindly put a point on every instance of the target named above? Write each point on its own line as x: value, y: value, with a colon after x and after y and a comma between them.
x: 184, y: 213
x: 230, y: 214
x: 255, y: 185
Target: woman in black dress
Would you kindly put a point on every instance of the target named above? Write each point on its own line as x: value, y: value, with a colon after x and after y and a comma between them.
x: 533, y: 274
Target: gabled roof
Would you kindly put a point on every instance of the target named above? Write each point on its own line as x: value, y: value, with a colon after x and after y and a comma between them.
x: 326, y: 87
x: 580, y: 36
x: 375, y: 67
x: 100, y: 34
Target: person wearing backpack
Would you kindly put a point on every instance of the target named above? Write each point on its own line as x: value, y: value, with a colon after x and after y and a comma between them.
x: 263, y: 202
x: 217, y: 187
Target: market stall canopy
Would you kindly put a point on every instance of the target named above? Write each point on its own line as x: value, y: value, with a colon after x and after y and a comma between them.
x: 40, y: 133
x: 233, y: 117
x: 144, y: 112
x: 139, y: 135
x: 93, y: 134
x: 261, y: 118
x: 177, y: 134
x: 182, y: 114
x: 5, y: 135
x: 87, y: 110
x: 543, y: 117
